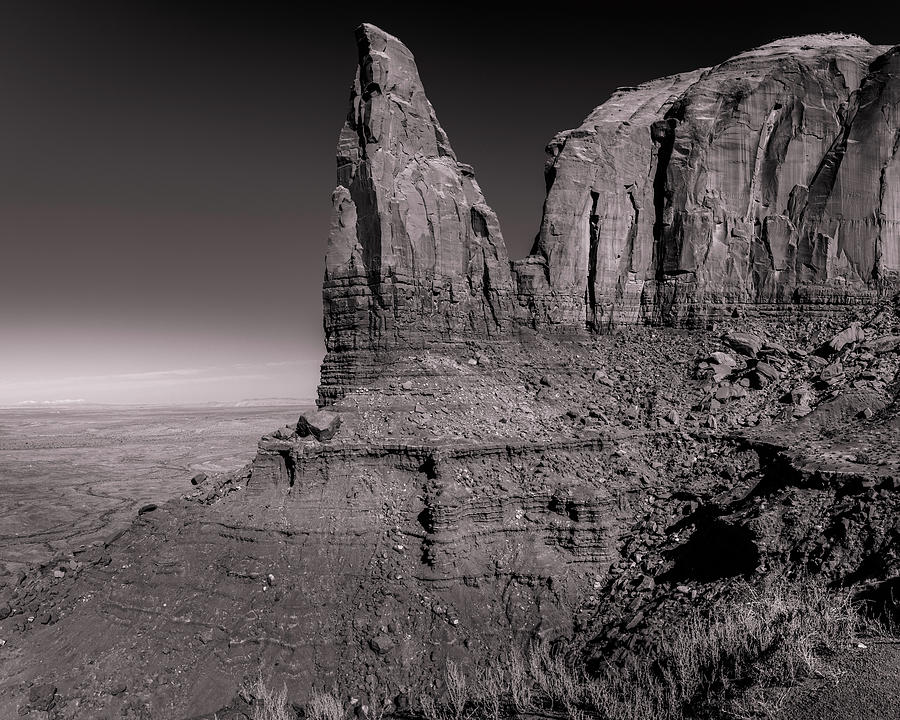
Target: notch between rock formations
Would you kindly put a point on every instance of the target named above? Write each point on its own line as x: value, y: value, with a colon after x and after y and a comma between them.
x: 590, y: 298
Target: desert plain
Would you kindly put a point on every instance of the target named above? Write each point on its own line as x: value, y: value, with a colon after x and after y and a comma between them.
x: 73, y: 475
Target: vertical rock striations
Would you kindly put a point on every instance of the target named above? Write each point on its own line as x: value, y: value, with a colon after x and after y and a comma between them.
x: 767, y: 180
x: 415, y: 255
x: 752, y: 196
x: 768, y: 183
x: 599, y: 216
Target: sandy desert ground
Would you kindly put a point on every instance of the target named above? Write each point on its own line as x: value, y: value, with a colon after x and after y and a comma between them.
x: 69, y: 476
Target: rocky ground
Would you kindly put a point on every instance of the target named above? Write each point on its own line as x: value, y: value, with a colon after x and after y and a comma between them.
x: 510, y: 452
x: 863, y: 687
x: 477, y: 498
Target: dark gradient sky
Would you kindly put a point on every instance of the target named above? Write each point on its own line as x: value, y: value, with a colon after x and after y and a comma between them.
x: 166, y: 169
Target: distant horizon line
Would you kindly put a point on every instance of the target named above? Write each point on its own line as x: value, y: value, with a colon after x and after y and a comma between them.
x: 81, y: 402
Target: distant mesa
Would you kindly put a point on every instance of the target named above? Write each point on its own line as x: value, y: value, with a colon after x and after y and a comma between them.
x: 275, y: 402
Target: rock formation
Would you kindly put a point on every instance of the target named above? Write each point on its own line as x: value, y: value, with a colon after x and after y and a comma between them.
x: 492, y: 468
x: 415, y: 254
x: 765, y: 181
x: 597, y: 229
x: 768, y: 183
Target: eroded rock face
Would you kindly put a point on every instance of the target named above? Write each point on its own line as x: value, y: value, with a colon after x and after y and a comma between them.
x: 472, y: 495
x: 768, y: 183
x: 597, y: 230
x: 767, y: 180
x: 415, y: 254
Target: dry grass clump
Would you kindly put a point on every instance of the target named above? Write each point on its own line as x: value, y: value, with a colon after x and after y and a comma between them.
x: 268, y: 703
x: 772, y: 635
x: 535, y: 681
x: 324, y: 706
x: 271, y: 704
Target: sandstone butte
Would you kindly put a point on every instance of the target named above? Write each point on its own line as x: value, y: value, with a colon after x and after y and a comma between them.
x: 691, y: 379
x: 769, y: 181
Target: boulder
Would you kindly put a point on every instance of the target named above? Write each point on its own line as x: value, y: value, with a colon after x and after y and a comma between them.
x: 42, y: 697
x: 744, y: 343
x: 321, y: 424
x: 725, y: 392
x: 884, y: 344
x: 849, y: 335
x: 764, y: 374
x: 721, y: 364
x: 770, y: 347
x: 285, y: 433
x: 721, y: 358
x: 832, y: 374
x: 799, y: 396
x: 381, y: 644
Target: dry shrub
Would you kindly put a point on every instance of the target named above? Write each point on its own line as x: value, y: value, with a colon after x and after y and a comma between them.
x: 270, y: 704
x: 632, y: 692
x: 771, y: 635
x: 514, y: 667
x: 457, y: 690
x: 491, y: 688
x: 324, y: 706
x: 775, y: 634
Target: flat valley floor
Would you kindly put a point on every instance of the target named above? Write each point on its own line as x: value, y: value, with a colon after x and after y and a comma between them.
x: 72, y: 476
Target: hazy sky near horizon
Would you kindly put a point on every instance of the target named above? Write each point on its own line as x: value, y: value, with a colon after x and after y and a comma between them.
x: 166, y: 168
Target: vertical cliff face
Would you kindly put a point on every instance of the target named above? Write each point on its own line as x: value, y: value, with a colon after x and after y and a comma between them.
x: 854, y: 199
x: 765, y: 180
x: 597, y: 230
x: 767, y: 183
x: 415, y: 255
x: 752, y: 199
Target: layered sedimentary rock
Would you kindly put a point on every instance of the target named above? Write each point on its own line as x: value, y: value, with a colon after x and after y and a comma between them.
x: 415, y: 254
x: 481, y: 479
x: 770, y: 179
x: 768, y: 182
